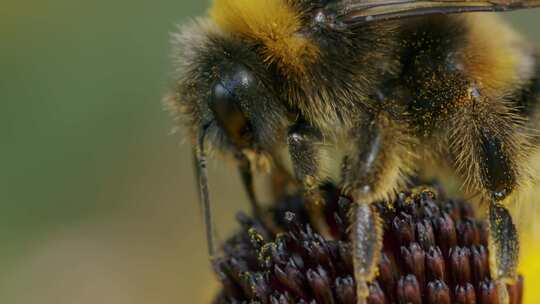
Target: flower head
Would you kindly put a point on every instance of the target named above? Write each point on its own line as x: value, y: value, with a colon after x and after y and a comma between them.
x: 434, y: 251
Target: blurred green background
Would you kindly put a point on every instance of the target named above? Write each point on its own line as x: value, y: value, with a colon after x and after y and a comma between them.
x: 97, y: 200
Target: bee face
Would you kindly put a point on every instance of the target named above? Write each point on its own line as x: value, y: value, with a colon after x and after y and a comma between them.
x: 226, y: 90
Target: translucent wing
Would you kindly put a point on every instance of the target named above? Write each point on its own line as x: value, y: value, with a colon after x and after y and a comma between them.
x: 357, y: 12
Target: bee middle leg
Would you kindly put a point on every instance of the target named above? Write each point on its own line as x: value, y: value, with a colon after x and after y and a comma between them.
x: 375, y: 168
x: 499, y: 179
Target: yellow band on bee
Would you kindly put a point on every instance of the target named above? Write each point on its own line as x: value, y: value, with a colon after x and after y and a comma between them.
x: 273, y: 23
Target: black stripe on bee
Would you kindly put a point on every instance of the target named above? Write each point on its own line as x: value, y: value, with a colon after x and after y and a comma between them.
x: 431, y: 70
x: 529, y: 96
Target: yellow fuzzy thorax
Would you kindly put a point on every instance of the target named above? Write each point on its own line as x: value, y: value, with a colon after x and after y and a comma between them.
x: 273, y: 23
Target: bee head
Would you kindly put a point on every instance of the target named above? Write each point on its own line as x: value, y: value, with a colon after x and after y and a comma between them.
x: 223, y: 87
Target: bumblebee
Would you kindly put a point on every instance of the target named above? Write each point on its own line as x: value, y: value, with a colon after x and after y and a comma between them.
x: 368, y: 85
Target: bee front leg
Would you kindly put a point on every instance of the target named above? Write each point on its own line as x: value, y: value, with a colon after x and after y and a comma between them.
x: 374, y: 170
x: 303, y: 141
x: 304, y: 150
x: 244, y: 168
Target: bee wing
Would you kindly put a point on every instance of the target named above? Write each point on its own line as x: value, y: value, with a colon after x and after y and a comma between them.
x: 351, y: 13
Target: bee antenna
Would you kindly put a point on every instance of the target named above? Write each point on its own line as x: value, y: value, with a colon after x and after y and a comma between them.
x: 204, y: 199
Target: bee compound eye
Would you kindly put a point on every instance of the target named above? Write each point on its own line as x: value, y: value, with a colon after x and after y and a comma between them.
x: 225, y: 106
x: 221, y: 96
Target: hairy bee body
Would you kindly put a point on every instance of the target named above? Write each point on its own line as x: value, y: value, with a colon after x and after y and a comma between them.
x: 423, y: 75
x: 389, y: 99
